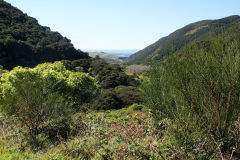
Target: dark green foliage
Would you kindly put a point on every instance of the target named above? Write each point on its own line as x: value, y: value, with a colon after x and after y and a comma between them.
x: 58, y: 129
x: 118, y: 90
x: 24, y: 42
x: 116, y: 98
x: 2, y: 70
x: 108, y: 75
x: 108, y: 100
x: 131, y: 81
x: 79, y: 65
x: 128, y: 95
x: 198, y: 31
x: 97, y: 57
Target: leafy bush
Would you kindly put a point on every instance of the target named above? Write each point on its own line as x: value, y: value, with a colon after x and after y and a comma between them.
x: 43, y: 94
x: 117, y: 134
x: 128, y: 95
x: 116, y: 98
x: 107, y: 100
x: 108, y: 75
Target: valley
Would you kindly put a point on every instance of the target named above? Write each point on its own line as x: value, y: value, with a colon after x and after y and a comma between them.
x: 177, y: 98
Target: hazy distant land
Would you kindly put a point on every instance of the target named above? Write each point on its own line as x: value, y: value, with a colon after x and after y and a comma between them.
x: 115, y: 52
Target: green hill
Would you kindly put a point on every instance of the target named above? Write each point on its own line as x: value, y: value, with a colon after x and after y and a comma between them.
x: 105, y: 56
x: 198, y: 31
x: 24, y: 42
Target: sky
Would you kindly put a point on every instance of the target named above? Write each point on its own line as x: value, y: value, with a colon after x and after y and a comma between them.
x: 122, y: 24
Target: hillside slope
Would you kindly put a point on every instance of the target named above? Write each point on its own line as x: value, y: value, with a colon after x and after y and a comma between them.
x: 105, y: 56
x: 193, y: 32
x: 24, y: 42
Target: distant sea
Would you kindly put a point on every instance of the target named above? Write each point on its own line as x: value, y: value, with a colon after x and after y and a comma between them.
x: 119, y: 53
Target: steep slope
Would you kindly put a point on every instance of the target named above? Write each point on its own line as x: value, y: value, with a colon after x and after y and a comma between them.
x: 24, y: 42
x: 193, y: 32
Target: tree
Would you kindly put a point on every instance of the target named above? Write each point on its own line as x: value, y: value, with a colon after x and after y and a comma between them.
x: 108, y: 75
x: 26, y: 43
x: 107, y: 100
x: 128, y: 95
x: 97, y: 57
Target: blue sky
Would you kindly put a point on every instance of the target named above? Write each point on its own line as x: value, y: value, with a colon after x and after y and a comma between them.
x: 122, y: 24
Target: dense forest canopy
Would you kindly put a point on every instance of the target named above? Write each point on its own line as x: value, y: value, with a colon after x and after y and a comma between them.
x: 24, y: 42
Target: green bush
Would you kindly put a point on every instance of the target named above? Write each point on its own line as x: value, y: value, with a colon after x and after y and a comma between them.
x: 128, y: 95
x: 107, y: 100
x: 199, y: 89
x: 116, y: 98
x: 136, y: 107
x: 109, y: 75
x: 43, y: 94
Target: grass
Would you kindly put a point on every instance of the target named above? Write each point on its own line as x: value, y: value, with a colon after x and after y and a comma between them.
x: 191, y: 32
x: 8, y: 153
x: 128, y: 133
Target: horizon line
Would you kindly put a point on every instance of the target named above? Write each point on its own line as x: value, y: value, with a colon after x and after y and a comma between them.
x: 108, y: 49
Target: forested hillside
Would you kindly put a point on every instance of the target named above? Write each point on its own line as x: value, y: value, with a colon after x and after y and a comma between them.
x: 199, y: 31
x: 24, y: 42
x: 183, y: 106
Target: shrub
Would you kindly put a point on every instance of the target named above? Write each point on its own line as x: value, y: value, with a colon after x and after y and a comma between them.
x: 42, y: 94
x: 128, y: 95
x: 116, y: 98
x: 107, y: 100
x: 199, y: 89
x: 136, y: 107
x: 109, y: 75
